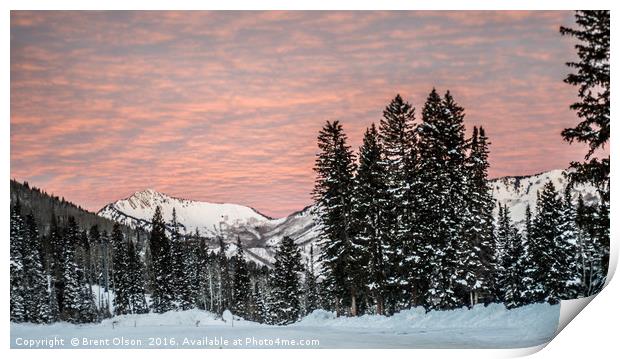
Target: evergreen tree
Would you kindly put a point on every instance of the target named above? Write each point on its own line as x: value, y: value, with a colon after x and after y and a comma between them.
x: 527, y: 281
x: 36, y: 297
x: 513, y: 262
x: 106, y: 275
x: 78, y: 301
x: 592, y: 261
x: 162, y: 287
x: 56, y: 261
x: 311, y: 289
x: 442, y: 179
x: 261, y: 313
x: 370, y: 213
x: 120, y: 271
x: 285, y: 306
x: 192, y: 270
x: 242, y: 290
x: 53, y: 304
x: 333, y: 191
x: 225, y: 283
x: 592, y: 78
x: 202, y: 269
x: 593, y: 108
x: 476, y: 250
x: 568, y: 266
x: 135, y: 278
x: 397, y: 143
x: 549, y: 252
x: 503, y: 236
x: 17, y: 305
x: 179, y: 253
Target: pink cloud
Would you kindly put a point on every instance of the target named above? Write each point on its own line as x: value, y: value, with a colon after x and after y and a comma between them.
x: 226, y: 106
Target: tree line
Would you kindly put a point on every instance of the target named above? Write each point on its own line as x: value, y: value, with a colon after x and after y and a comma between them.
x: 408, y: 221
x: 80, y: 276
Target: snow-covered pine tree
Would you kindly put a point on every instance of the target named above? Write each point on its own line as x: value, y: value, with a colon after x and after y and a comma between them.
x: 87, y: 310
x: 592, y: 263
x: 179, y: 252
x: 213, y: 280
x: 106, y: 275
x: 53, y: 303
x: 135, y: 278
x: 225, y: 283
x: 285, y: 299
x: 242, y: 289
x: 476, y: 250
x: 56, y: 259
x: 593, y: 81
x: 501, y: 260
x: 527, y: 280
x: 120, y: 270
x: 592, y: 78
x: 162, y: 286
x: 192, y: 269
x: 442, y: 181
x: 202, y: 270
x: 397, y: 144
x: 513, y: 262
x: 333, y: 192
x: 602, y: 239
x: 371, y: 210
x: 17, y: 305
x: 546, y: 248
x: 36, y: 298
x: 261, y: 314
x: 310, y: 288
x: 83, y: 252
x: 77, y: 300
x: 569, y: 256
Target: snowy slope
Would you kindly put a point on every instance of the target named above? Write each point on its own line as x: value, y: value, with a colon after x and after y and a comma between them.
x: 482, y: 327
x: 208, y: 218
x: 519, y: 191
x: 260, y: 235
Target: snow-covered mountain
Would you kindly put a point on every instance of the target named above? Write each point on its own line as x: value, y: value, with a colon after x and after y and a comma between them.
x: 519, y: 191
x: 261, y: 234
x: 208, y: 218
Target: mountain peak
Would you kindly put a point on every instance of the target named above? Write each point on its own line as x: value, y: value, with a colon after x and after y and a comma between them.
x: 147, y: 192
x: 206, y: 217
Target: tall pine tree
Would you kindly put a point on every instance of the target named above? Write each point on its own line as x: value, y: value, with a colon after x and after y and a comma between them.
x: 120, y: 271
x: 370, y: 213
x: 398, y: 143
x: 285, y: 305
x: 476, y: 249
x: 242, y: 289
x: 442, y: 180
x: 36, y: 298
x: 163, y: 286
x: 333, y: 192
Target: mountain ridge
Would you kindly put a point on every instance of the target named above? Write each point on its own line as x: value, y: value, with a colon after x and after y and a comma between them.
x: 260, y: 234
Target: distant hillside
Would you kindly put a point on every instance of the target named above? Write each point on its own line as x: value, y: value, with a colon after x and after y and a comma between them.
x: 42, y: 205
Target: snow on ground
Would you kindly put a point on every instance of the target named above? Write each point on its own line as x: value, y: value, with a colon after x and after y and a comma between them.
x: 481, y: 327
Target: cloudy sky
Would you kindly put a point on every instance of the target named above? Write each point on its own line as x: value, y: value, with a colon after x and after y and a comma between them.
x: 226, y: 106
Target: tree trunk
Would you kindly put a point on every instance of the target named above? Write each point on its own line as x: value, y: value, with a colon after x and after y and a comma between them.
x: 379, y: 300
x: 353, y: 303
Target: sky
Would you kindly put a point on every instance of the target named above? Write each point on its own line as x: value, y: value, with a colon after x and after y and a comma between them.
x: 226, y: 106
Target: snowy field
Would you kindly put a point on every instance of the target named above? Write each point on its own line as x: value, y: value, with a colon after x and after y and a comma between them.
x: 481, y: 327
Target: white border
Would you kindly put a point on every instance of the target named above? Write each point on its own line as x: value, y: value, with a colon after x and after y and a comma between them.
x: 593, y: 333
